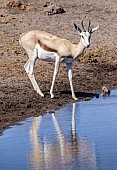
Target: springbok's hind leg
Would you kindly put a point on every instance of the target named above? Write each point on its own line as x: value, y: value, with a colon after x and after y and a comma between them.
x: 29, y: 67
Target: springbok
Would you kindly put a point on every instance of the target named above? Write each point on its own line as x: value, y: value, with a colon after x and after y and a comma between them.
x: 47, y: 47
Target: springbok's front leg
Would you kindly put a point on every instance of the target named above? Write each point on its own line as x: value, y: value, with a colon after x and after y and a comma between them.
x: 29, y: 67
x: 56, y: 69
x: 69, y: 69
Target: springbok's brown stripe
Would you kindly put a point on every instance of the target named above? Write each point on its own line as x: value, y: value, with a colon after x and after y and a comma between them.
x: 45, y: 47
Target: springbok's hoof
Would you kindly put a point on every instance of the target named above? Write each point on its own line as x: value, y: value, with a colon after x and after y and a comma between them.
x: 52, y: 96
x: 41, y: 94
x: 75, y: 98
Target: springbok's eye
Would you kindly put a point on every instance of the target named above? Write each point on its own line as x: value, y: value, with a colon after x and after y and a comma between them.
x: 82, y: 37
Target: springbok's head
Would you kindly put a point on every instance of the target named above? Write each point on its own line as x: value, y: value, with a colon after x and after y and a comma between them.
x: 85, y: 35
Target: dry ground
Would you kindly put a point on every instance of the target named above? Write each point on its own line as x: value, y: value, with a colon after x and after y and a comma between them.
x: 95, y: 68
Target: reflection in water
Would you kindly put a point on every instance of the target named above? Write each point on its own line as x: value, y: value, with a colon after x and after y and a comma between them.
x: 62, y: 153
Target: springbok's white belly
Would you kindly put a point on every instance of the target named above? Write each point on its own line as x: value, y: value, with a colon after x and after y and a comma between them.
x: 47, y: 56
x: 50, y: 56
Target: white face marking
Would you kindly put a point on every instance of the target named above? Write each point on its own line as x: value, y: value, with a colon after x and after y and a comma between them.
x: 85, y: 37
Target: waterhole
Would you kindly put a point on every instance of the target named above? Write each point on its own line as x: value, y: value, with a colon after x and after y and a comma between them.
x: 80, y: 136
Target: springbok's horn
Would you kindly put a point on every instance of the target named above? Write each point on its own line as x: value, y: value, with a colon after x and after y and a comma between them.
x: 82, y: 26
x: 89, y: 25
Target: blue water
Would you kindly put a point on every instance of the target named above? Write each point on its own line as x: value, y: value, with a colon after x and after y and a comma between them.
x: 80, y: 136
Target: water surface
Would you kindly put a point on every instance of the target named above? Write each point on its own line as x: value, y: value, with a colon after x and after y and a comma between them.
x: 80, y: 136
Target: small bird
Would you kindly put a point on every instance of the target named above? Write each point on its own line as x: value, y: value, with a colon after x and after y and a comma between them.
x: 106, y: 91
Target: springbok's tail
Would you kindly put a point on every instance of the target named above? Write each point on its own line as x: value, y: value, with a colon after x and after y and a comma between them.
x: 20, y: 38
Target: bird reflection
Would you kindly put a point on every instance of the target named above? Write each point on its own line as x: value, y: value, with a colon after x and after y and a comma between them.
x: 74, y: 152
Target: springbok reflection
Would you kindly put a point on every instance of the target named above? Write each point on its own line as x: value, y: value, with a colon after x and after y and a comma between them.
x: 71, y: 152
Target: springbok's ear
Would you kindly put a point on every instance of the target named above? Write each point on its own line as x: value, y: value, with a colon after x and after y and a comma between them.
x: 94, y: 29
x: 77, y: 28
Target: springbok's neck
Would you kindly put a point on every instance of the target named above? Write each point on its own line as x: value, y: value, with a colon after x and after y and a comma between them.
x: 78, y: 49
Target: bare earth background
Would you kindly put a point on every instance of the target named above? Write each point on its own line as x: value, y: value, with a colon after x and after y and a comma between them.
x: 95, y: 68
